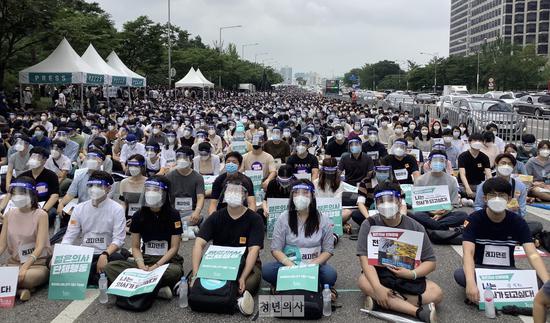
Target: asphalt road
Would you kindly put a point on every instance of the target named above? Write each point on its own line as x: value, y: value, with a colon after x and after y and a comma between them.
x: 453, y: 309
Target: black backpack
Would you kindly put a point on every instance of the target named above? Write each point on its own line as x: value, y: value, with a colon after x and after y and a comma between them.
x: 313, y: 302
x: 138, y: 303
x: 222, y: 300
x: 446, y: 237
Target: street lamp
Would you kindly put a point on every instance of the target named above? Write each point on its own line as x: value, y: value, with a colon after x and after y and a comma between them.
x: 169, y: 50
x: 478, y: 52
x: 258, y: 54
x: 222, y: 28
x: 434, y: 55
x: 247, y: 45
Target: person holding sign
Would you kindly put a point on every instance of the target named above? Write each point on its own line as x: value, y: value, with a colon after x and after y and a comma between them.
x: 278, y: 189
x: 405, y: 167
x: 490, y: 237
x: 25, y: 236
x: 304, y: 162
x: 159, y: 226
x: 235, y: 226
x: 440, y: 219
x: 302, y: 236
x: 101, y: 223
x: 257, y: 159
x: 391, y: 287
x: 374, y: 149
x: 357, y: 165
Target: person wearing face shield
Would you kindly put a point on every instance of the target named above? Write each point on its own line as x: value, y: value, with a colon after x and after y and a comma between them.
x: 18, y: 159
x: 404, y: 166
x: 474, y: 167
x: 40, y: 138
x: 101, y: 223
x: 440, y: 219
x: 131, y: 187
x: 302, y: 236
x: 58, y: 162
x: 25, y: 236
x: 356, y: 164
x: 187, y: 187
x: 154, y: 162
x: 233, y: 162
x: 206, y: 163
x: 235, y: 225
x: 278, y: 188
x: 330, y: 185
x: 131, y: 147
x: 539, y: 168
x: 395, y: 288
x: 259, y: 160
x: 157, y: 136
x: 187, y: 138
x: 303, y: 162
x: 277, y: 146
x: 201, y: 137
x: 490, y: 237
x: 156, y: 231
x: 373, y: 148
x: 72, y: 148
x: 338, y: 144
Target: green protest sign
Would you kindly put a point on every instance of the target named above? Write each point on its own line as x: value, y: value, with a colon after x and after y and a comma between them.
x: 431, y: 198
x: 276, y: 207
x: 407, y: 190
x: 221, y: 263
x: 332, y: 207
x: 208, y: 182
x: 256, y: 176
x: 239, y: 146
x: 133, y: 281
x: 69, y: 272
x: 305, y: 277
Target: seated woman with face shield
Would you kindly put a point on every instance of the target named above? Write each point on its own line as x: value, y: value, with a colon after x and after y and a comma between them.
x: 396, y: 288
x: 159, y: 226
x: 330, y: 185
x: 302, y: 236
x: 131, y: 187
x: 278, y: 188
x: 206, y: 163
x: 25, y: 236
x: 154, y: 162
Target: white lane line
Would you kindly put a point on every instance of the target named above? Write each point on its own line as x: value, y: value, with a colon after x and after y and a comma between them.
x: 73, y: 311
x: 538, y: 212
x: 524, y: 319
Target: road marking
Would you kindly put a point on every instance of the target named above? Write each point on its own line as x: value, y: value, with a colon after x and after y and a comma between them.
x: 538, y: 212
x: 344, y: 290
x: 73, y: 311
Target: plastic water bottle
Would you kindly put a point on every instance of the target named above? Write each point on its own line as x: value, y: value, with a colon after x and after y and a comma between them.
x: 183, y: 288
x: 185, y: 235
x: 489, y: 303
x: 57, y: 224
x: 327, y: 306
x: 103, y: 297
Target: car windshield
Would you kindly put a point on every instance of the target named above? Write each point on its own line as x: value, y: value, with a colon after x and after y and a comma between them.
x: 506, y: 96
x: 497, y: 107
x: 544, y: 99
x: 476, y: 105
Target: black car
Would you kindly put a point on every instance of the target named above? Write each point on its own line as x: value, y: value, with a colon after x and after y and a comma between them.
x: 536, y: 105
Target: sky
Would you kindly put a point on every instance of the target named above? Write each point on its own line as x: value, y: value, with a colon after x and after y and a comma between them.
x: 327, y: 37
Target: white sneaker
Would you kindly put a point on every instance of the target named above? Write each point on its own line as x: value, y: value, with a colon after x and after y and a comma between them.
x: 195, y: 229
x: 246, y: 304
x: 165, y: 293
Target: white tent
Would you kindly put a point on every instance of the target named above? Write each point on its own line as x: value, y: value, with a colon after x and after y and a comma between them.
x: 113, y: 76
x: 136, y: 80
x: 210, y: 84
x: 192, y: 79
x: 63, y: 66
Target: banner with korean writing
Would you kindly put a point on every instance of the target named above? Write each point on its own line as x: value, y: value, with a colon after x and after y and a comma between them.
x: 304, y: 277
x: 332, y: 207
x: 395, y: 247
x: 208, y: 181
x: 276, y: 207
x: 221, y: 263
x: 510, y: 287
x: 69, y: 272
x: 407, y: 190
x: 133, y: 281
x: 431, y: 198
x: 8, y: 286
x: 256, y: 176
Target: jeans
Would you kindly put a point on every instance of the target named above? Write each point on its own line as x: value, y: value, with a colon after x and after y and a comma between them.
x: 93, y: 278
x: 450, y: 220
x: 327, y: 274
x: 358, y: 217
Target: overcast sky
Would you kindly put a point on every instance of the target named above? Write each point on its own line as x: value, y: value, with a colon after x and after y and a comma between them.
x: 326, y: 36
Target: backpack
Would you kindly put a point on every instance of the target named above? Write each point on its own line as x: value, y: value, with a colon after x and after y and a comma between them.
x: 138, y: 303
x: 446, y: 237
x: 214, y: 296
x: 313, y: 302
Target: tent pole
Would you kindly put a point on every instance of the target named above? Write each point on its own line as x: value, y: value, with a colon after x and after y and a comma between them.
x: 108, y: 101
x: 82, y: 98
x: 130, y: 95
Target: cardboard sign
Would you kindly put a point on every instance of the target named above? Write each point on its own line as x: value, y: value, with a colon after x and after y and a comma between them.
x: 221, y: 263
x: 406, y: 253
x: 256, y: 176
x: 407, y: 190
x: 304, y: 277
x: 431, y: 198
x: 332, y: 207
x: 8, y: 285
x: 510, y: 287
x: 276, y: 207
x: 208, y: 181
x: 69, y: 272
x: 239, y: 146
x: 133, y: 281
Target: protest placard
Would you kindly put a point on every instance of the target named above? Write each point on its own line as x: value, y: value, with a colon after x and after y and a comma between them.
x: 332, y: 207
x: 304, y: 277
x: 221, y: 263
x: 510, y: 287
x: 133, y: 281
x: 256, y: 176
x: 69, y: 272
x: 8, y: 286
x: 208, y: 182
x: 431, y: 198
x: 276, y: 207
x: 404, y: 252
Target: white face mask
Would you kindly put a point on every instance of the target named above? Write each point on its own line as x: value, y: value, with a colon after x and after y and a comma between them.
x: 301, y: 202
x: 34, y: 163
x: 424, y: 132
x: 55, y: 154
x: 21, y: 200
x: 339, y: 136
x: 153, y: 198
x: 373, y: 138
x: 134, y: 171
x: 92, y: 164
x: 19, y: 147
x: 95, y: 192
x: 151, y: 154
x: 447, y: 139
x: 477, y: 145
x: 384, y: 123
x: 505, y: 170
x: 399, y: 152
x: 300, y: 149
x: 544, y: 153
x: 233, y: 199
x: 387, y: 209
x: 497, y: 204
x: 182, y: 164
x: 156, y: 131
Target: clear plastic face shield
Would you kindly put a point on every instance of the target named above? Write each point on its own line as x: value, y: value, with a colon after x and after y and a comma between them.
x: 97, y: 188
x: 330, y: 171
x: 21, y: 194
x: 382, y: 173
x: 154, y: 193
x: 151, y: 151
x: 388, y: 203
x: 399, y: 149
x: 204, y: 154
x: 93, y: 161
x: 56, y: 152
x: 134, y: 167
x: 183, y: 160
x: 234, y: 195
x: 355, y: 146
x: 302, y: 195
x: 438, y: 163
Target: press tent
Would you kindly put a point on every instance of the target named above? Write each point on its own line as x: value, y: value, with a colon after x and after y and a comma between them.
x: 114, y: 76
x: 136, y: 80
x: 210, y: 84
x: 191, y: 79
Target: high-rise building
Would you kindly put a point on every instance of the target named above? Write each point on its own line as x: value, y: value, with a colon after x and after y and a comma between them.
x: 286, y: 73
x: 521, y: 22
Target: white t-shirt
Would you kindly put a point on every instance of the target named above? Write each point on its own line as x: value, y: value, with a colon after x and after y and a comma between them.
x: 63, y: 163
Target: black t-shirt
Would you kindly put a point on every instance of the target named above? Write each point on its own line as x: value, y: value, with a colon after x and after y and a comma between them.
x: 187, y: 142
x: 335, y: 149
x: 300, y: 165
x: 218, y: 188
x: 356, y: 169
x: 407, y: 165
x: 223, y: 230
x: 47, y: 183
x: 376, y: 152
x: 474, y: 167
x: 152, y: 229
x: 495, y: 242
x: 3, y: 150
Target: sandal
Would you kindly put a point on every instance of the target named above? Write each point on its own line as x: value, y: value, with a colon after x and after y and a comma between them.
x: 333, y: 294
x: 347, y: 228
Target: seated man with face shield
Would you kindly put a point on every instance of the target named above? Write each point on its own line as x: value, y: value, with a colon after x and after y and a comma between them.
x: 405, y: 167
x: 440, y: 219
x: 155, y: 164
x: 235, y: 226
x: 159, y: 226
x: 396, y: 288
x: 356, y: 165
x: 72, y: 148
x: 304, y: 162
x: 373, y: 148
x: 101, y: 223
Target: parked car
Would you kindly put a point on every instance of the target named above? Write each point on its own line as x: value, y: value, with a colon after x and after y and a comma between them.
x: 536, y: 105
x: 477, y: 113
x: 508, y: 97
x: 425, y: 98
x: 399, y: 100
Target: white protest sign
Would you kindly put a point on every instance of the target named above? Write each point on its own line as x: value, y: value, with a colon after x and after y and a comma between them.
x: 8, y: 285
x: 431, y: 198
x: 404, y: 249
x: 135, y: 281
x: 276, y: 206
x: 332, y: 207
x: 510, y: 287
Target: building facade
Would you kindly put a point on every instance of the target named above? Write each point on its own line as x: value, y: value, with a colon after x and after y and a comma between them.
x: 521, y: 22
x: 286, y: 73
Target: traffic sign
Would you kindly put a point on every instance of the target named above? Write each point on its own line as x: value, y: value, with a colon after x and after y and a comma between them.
x: 172, y: 72
x: 491, y: 80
